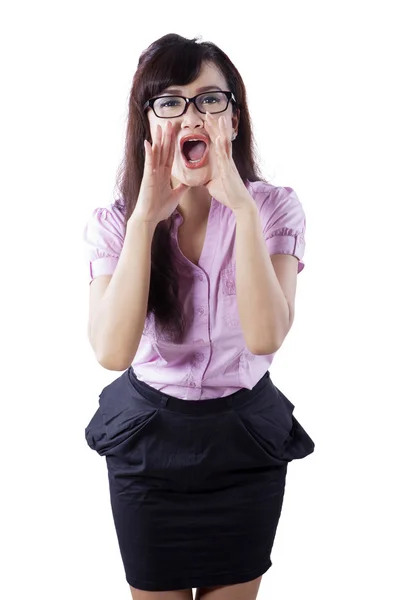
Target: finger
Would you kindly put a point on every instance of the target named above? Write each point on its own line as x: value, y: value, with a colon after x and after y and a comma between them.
x: 224, y: 133
x: 220, y: 162
x: 228, y: 132
x: 165, y: 146
x: 210, y: 126
x: 148, y: 157
x: 171, y: 150
x: 221, y: 128
x: 222, y: 158
x: 157, y: 147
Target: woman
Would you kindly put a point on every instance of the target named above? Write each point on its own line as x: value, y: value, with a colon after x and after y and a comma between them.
x: 193, y: 277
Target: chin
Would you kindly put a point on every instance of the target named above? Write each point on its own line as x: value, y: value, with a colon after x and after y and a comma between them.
x: 194, y: 177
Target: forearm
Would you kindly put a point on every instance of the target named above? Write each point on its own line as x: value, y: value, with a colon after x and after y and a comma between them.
x: 263, y: 308
x: 118, y: 323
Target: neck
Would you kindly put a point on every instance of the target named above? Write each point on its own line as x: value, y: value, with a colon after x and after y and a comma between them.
x: 195, y: 205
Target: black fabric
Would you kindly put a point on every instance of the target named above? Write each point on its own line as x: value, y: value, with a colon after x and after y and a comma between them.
x: 196, y: 486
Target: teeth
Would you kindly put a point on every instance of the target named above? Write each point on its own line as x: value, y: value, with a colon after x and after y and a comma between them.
x: 195, y: 161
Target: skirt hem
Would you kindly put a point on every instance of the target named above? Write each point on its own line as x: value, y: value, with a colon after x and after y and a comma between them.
x: 201, y: 581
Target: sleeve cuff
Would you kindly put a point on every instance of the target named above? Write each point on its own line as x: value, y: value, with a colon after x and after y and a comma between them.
x: 288, y: 244
x: 102, y: 266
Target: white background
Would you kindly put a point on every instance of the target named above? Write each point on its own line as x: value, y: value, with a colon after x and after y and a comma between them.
x: 321, y: 79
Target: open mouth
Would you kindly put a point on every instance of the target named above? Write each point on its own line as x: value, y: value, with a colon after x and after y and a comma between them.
x: 194, y: 151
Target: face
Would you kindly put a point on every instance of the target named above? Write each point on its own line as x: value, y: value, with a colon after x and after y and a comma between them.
x: 192, y: 123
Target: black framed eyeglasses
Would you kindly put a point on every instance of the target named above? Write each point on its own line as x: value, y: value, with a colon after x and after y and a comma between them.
x: 169, y: 107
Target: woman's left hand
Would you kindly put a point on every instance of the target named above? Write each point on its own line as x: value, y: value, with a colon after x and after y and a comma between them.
x: 226, y: 185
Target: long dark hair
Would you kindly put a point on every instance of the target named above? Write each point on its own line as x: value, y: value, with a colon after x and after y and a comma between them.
x: 175, y: 60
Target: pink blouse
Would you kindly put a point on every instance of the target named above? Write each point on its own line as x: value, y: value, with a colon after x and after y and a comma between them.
x: 213, y: 360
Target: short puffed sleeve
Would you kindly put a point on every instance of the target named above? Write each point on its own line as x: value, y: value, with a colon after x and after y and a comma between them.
x: 284, y: 223
x: 103, y: 238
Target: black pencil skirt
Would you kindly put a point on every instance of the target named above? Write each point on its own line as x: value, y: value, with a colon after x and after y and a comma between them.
x: 196, y: 486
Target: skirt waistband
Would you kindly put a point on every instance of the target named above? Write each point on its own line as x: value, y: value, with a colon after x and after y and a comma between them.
x: 159, y: 399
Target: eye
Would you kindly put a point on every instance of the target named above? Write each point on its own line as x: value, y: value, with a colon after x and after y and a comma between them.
x: 169, y: 103
x: 210, y: 99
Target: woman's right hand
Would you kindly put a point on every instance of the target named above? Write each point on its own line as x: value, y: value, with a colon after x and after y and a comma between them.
x: 157, y: 200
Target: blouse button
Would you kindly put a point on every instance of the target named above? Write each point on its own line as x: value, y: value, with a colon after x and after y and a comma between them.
x: 200, y: 310
x: 192, y: 384
x: 199, y: 356
x: 200, y: 277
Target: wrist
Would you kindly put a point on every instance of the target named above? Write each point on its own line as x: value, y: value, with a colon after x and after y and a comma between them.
x: 247, y: 209
x: 136, y: 221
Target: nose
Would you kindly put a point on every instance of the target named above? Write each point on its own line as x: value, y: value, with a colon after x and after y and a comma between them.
x: 192, y: 118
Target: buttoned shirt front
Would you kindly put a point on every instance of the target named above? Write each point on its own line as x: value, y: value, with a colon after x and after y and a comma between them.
x: 212, y: 360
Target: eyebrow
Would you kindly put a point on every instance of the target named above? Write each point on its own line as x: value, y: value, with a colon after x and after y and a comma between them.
x: 199, y: 90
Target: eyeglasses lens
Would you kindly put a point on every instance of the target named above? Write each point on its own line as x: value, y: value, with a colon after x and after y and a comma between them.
x: 173, y: 106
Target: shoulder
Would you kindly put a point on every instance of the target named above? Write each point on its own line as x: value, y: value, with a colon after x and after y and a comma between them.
x: 259, y: 188
x: 113, y: 212
x: 106, y: 219
x: 277, y: 205
x: 103, y: 238
x: 268, y: 196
